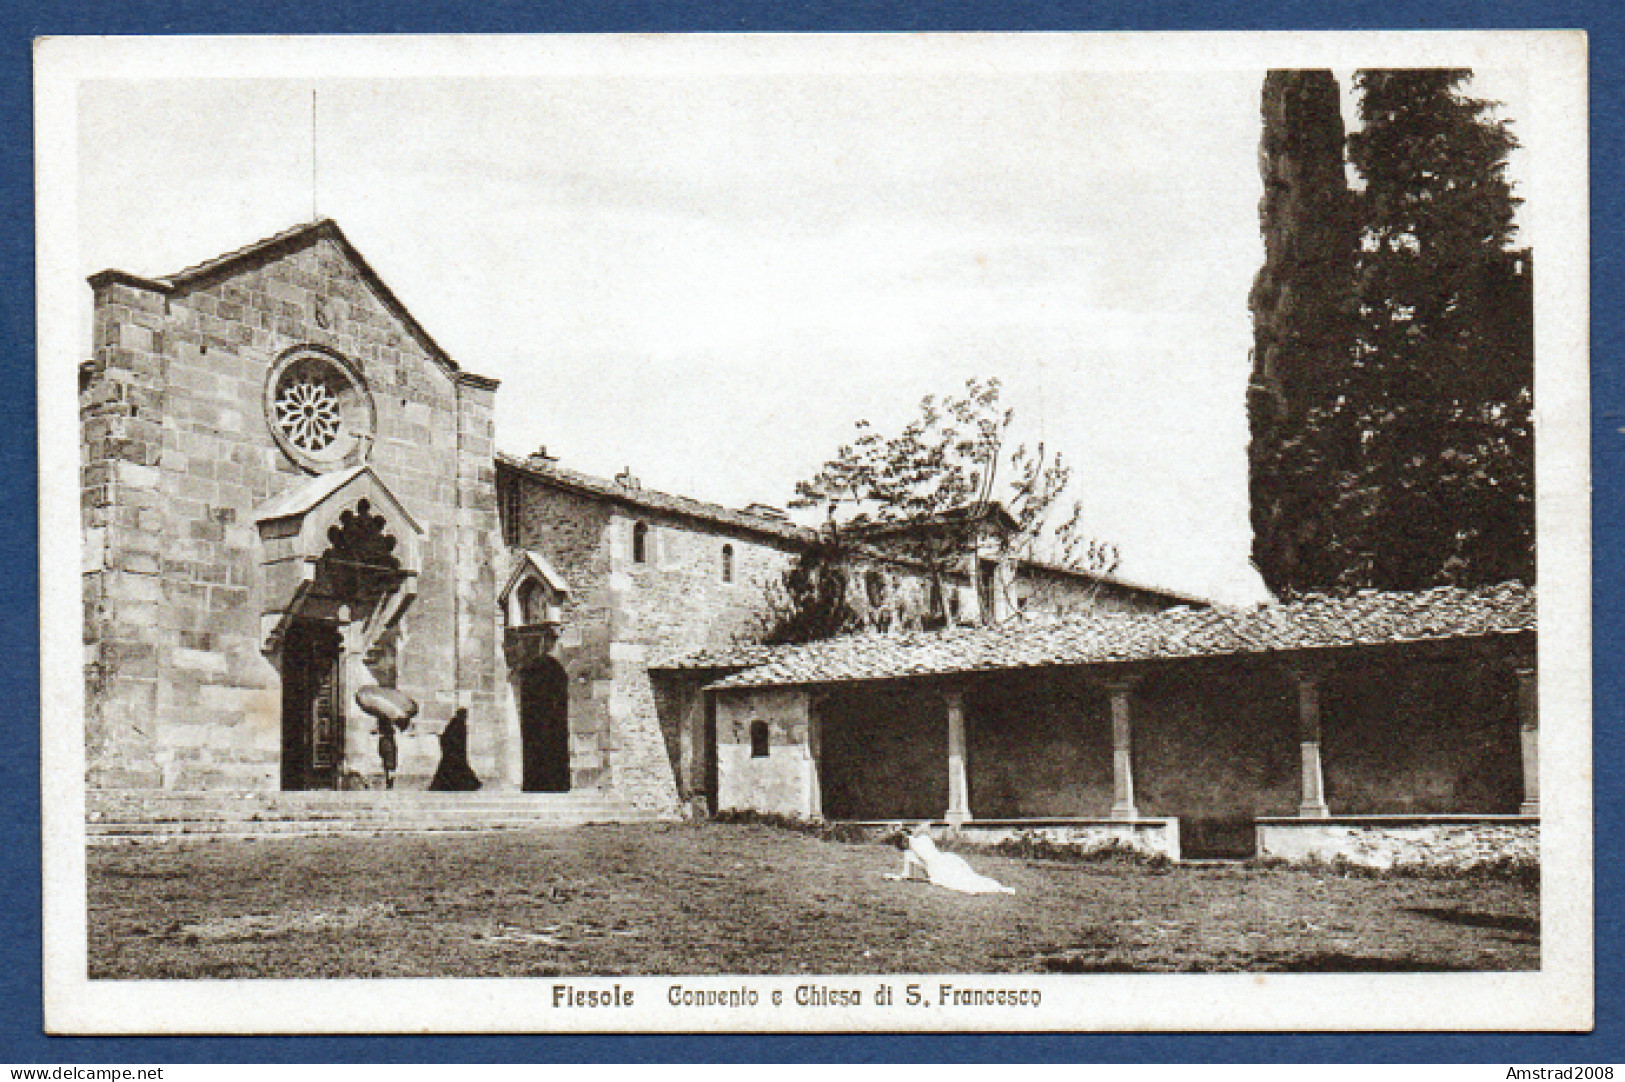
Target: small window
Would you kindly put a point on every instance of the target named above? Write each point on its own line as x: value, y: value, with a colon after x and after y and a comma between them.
x: 511, y: 510
x: 727, y: 563
x: 640, y: 543
x: 760, y: 745
x: 875, y: 585
x: 532, y: 603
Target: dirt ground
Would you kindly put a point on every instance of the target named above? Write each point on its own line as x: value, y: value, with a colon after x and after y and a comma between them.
x: 729, y: 898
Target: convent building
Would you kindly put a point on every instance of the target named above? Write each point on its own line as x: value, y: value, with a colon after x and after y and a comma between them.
x: 292, y: 500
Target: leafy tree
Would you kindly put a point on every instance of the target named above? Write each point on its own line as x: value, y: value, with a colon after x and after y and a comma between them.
x: 930, y: 493
x: 810, y: 602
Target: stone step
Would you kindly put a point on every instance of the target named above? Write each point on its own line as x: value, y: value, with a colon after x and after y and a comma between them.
x: 602, y: 815
x: 352, y: 808
x: 294, y: 826
x: 135, y: 815
x: 316, y: 796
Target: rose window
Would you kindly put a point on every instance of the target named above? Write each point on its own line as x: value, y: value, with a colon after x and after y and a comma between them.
x: 318, y: 409
x: 307, y: 412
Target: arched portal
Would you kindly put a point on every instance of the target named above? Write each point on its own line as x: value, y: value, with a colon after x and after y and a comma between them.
x: 340, y: 560
x: 354, y: 575
x: 544, y: 726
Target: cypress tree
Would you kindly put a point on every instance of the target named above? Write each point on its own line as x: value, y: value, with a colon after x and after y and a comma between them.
x: 1440, y: 388
x: 1302, y: 306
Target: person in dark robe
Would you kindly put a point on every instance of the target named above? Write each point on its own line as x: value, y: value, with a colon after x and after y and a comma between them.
x: 388, y: 751
x: 454, y: 775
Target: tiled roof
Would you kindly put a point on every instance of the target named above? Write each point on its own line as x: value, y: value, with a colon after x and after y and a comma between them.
x: 652, y: 500
x: 732, y: 658
x: 1367, y: 619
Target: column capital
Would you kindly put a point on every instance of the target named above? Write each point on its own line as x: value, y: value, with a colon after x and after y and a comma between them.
x: 1307, y: 672
x: 1120, y: 683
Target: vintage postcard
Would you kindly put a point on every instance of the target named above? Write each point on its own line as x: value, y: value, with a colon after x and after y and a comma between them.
x: 815, y: 533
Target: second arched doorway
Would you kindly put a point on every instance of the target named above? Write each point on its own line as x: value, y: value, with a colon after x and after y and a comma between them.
x: 544, y: 726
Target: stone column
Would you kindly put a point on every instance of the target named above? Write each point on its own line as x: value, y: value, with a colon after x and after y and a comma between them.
x: 1122, y: 751
x: 815, y: 755
x: 958, y: 778
x: 1529, y: 738
x: 689, y: 737
x: 1313, y: 803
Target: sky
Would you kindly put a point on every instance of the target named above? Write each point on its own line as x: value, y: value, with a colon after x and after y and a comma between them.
x: 709, y: 275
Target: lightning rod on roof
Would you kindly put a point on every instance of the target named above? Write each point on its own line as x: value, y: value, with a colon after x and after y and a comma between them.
x: 313, y: 214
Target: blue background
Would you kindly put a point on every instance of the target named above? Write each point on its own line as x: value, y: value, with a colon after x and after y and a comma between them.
x: 22, y: 1038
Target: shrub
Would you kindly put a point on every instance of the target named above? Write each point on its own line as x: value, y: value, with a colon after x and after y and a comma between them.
x: 1032, y: 845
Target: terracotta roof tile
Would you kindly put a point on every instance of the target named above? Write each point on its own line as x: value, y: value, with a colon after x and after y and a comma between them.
x: 1366, y: 619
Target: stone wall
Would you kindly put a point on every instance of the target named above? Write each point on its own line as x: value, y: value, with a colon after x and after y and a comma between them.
x: 1153, y: 837
x: 785, y: 780
x: 681, y: 707
x: 885, y: 752
x: 896, y: 595
x: 1216, y: 741
x: 1421, y: 738
x: 178, y: 456
x: 1038, y: 589
x: 622, y: 615
x: 1392, y: 841
x: 1039, y: 746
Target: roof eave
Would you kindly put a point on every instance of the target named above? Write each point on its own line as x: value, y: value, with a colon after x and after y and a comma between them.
x: 605, y: 491
x: 1313, y: 650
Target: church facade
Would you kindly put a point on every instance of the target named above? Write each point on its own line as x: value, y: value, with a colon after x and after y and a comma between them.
x: 291, y: 495
x: 288, y: 494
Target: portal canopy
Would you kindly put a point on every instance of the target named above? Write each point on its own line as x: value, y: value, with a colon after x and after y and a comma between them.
x: 337, y: 548
x: 532, y: 603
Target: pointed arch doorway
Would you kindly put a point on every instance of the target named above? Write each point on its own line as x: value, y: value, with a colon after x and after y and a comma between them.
x: 340, y: 559
x: 544, y: 726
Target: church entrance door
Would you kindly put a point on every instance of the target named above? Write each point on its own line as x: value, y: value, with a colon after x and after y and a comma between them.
x: 544, y: 727
x: 312, y: 707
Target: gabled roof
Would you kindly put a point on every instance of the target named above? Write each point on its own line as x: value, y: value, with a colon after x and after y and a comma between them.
x: 635, y: 496
x: 1316, y: 623
x: 1115, y: 581
x: 279, y: 244
x: 536, y: 563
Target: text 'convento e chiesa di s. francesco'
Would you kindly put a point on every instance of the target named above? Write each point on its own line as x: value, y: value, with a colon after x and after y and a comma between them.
x: 310, y: 580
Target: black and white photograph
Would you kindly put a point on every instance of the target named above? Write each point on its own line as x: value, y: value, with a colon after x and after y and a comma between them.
x: 774, y: 533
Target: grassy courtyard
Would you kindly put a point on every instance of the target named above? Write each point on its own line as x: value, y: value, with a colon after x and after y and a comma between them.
x: 734, y: 898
